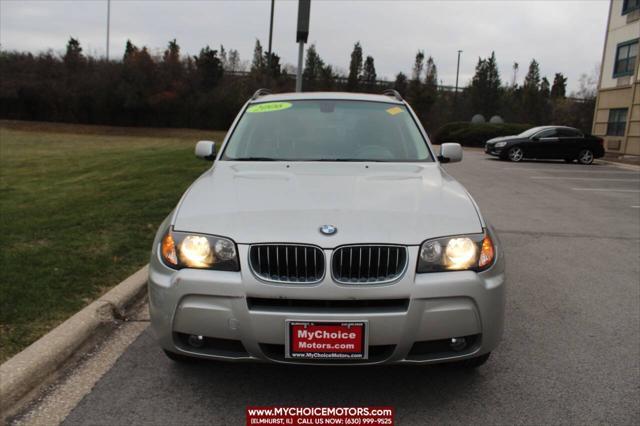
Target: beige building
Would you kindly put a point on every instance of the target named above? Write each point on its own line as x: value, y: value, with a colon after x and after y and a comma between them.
x: 617, y: 114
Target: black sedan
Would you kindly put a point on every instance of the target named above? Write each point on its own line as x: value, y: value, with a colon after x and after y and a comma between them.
x: 547, y: 142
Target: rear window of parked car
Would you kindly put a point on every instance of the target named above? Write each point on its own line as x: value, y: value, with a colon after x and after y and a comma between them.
x: 569, y: 133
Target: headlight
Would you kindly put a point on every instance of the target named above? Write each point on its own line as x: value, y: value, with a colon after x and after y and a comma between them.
x: 500, y: 144
x: 185, y: 250
x: 464, y: 252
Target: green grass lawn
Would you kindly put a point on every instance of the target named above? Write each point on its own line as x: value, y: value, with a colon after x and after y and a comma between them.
x: 79, y: 206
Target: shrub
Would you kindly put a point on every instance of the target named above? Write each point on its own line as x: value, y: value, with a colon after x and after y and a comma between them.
x: 467, y: 134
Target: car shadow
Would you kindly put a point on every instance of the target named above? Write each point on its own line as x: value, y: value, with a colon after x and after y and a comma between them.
x: 144, y: 386
x: 433, y: 386
x: 534, y: 161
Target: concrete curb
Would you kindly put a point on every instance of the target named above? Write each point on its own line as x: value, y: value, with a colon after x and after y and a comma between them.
x: 621, y: 165
x: 26, y: 370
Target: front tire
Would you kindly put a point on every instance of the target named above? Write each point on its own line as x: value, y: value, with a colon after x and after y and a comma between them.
x: 585, y: 157
x: 515, y: 154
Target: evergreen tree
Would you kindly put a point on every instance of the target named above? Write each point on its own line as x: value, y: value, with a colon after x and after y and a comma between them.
x: 258, y: 64
x: 422, y: 94
x: 171, y: 61
x: 418, y: 67
x: 369, y: 73
x: 532, y: 79
x: 144, y: 59
x: 401, y: 84
x: 532, y: 100
x: 327, y: 78
x: 515, y: 68
x: 493, y: 72
x: 233, y: 63
x: 545, y: 88
x: 559, y: 87
x: 313, y: 66
x: 73, y: 58
x: 130, y: 51
x: 137, y: 84
x: 415, y: 85
x: 223, y: 56
x: 172, y: 53
x: 275, y: 72
x: 431, y: 74
x: 355, y: 68
x: 485, y: 87
x: 430, y: 92
x: 209, y: 68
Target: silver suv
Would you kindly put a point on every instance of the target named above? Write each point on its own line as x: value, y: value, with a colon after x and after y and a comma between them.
x: 327, y: 232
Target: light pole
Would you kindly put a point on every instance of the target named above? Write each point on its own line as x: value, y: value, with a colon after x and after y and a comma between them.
x: 304, y: 8
x: 458, y: 71
x: 455, y: 94
x: 108, y: 25
x: 270, y: 38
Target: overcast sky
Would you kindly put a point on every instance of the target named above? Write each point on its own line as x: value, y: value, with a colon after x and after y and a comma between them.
x: 563, y: 36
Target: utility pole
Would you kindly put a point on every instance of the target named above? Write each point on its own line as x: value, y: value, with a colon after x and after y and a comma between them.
x: 304, y: 8
x: 458, y: 71
x: 455, y: 94
x: 108, y: 25
x: 299, y: 71
x: 270, y: 38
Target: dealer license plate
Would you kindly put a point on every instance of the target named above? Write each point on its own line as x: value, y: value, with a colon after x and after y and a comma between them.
x: 346, y: 340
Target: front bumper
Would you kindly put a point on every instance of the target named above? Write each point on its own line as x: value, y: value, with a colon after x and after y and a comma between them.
x: 492, y: 150
x: 217, y: 305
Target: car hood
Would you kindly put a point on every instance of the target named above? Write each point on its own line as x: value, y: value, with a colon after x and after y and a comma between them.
x: 288, y: 202
x: 502, y: 138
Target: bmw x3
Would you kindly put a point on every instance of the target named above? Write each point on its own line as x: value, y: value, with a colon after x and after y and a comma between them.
x: 327, y: 232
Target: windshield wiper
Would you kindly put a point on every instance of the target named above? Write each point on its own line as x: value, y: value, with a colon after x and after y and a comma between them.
x: 355, y: 160
x: 255, y: 159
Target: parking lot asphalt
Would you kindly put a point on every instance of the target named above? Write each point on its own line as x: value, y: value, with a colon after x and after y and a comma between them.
x: 571, y: 348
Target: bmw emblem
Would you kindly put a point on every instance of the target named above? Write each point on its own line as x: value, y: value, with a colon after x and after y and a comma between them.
x: 328, y: 229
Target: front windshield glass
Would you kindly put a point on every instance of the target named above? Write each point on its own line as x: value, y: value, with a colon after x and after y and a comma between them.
x: 531, y: 132
x: 327, y: 130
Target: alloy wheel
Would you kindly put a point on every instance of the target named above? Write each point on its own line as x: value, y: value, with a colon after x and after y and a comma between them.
x: 585, y: 156
x: 516, y: 154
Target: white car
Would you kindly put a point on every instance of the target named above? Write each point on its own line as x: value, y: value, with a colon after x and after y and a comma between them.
x: 327, y: 232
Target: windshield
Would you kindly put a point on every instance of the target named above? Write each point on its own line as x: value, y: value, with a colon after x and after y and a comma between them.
x: 532, y: 131
x: 327, y: 130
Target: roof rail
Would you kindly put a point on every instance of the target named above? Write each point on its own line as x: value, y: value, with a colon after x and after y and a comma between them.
x: 260, y: 92
x: 394, y: 93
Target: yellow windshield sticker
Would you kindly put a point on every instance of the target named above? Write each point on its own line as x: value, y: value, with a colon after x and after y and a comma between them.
x: 394, y: 110
x: 269, y: 107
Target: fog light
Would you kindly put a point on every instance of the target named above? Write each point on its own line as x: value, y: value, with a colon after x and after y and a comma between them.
x: 196, y: 341
x: 458, y: 343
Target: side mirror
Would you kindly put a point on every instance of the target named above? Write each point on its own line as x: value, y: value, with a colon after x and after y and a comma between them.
x: 206, y: 150
x: 450, y: 153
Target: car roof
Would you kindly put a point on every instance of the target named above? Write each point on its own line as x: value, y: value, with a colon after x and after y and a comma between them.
x: 336, y: 96
x: 541, y: 128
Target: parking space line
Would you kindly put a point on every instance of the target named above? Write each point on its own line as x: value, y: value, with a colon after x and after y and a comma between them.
x: 635, y: 207
x: 606, y: 189
x: 568, y: 170
x: 582, y: 178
